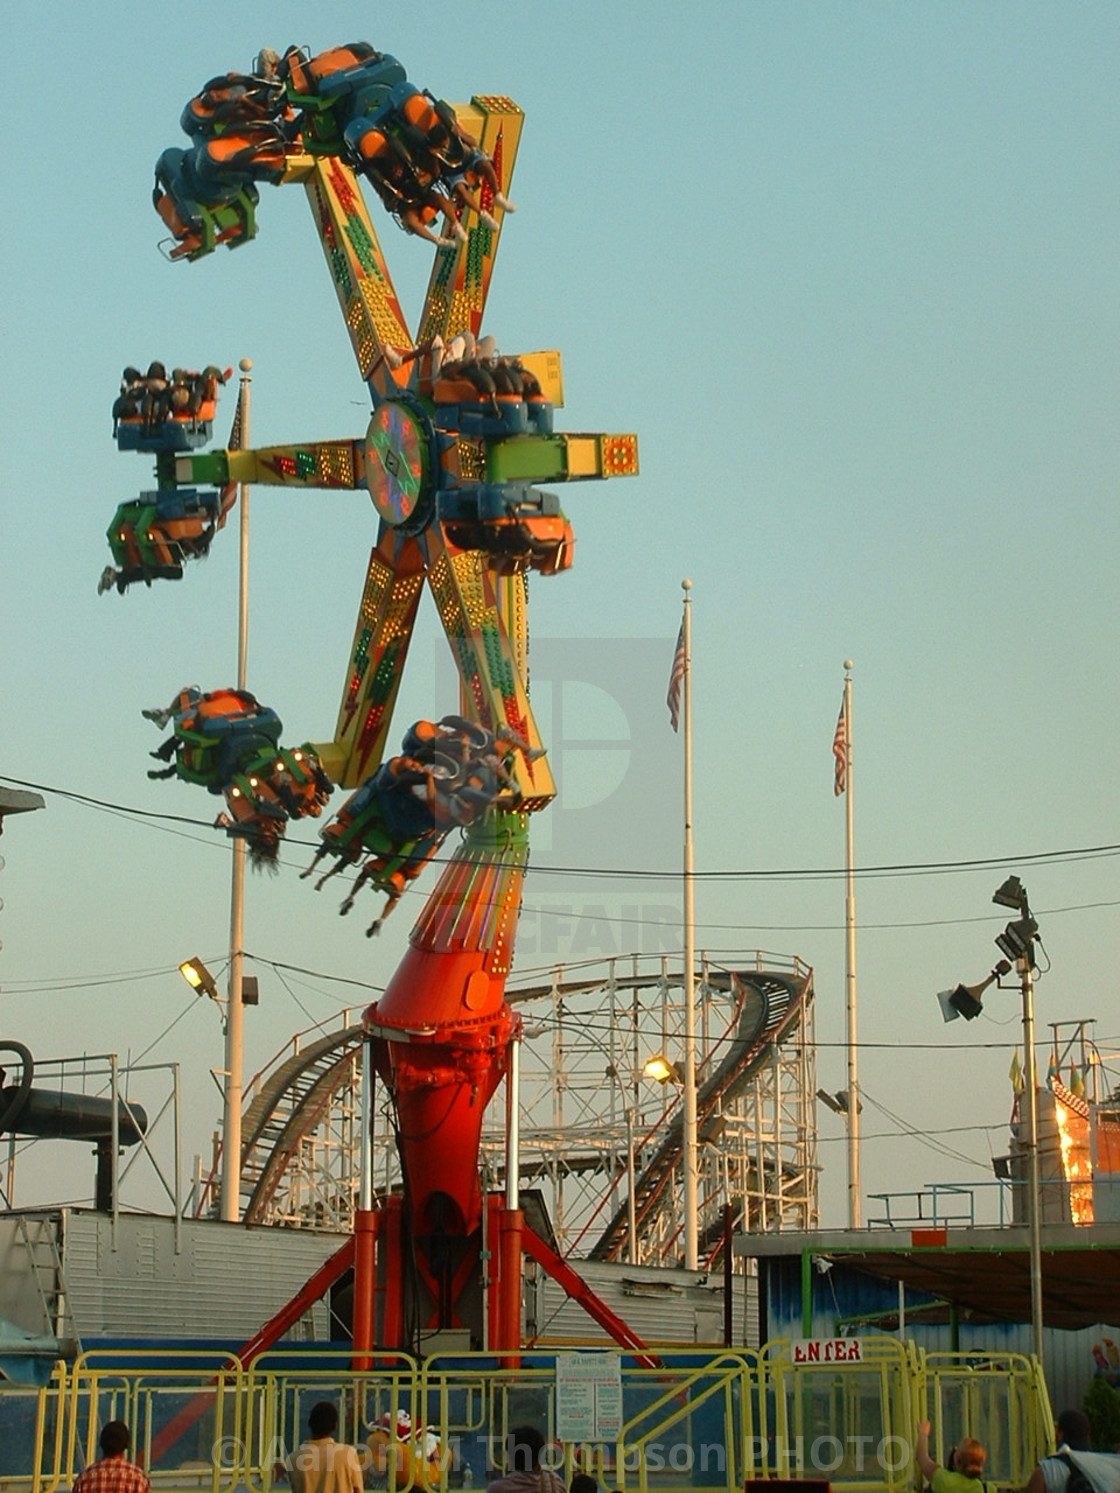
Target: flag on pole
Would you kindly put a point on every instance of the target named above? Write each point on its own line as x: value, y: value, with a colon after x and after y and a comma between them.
x: 840, y: 752
x: 1015, y: 1072
x: 236, y: 442
x: 235, y: 438
x: 676, y: 679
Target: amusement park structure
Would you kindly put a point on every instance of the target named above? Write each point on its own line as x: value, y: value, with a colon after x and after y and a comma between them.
x: 457, y: 447
x: 600, y: 1140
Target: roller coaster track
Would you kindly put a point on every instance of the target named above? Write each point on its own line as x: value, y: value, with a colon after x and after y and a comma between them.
x: 771, y: 1006
x: 293, y: 1098
x: 291, y: 1102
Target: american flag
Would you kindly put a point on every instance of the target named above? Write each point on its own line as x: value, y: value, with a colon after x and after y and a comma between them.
x: 235, y: 428
x: 676, y: 679
x: 840, y: 752
x: 236, y: 442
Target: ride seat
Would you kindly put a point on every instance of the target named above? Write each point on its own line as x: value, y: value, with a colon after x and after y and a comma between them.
x: 240, y: 155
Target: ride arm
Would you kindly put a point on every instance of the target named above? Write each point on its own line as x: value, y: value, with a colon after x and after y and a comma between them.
x: 460, y: 279
x: 483, y: 615
x: 377, y: 656
x: 361, y: 277
x: 562, y: 457
x: 312, y: 464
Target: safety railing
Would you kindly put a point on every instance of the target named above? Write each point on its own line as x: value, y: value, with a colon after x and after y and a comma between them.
x: 846, y: 1421
x: 204, y: 1423
x: 33, y: 1424
x: 1000, y: 1399
x: 685, y: 1422
x: 280, y: 1389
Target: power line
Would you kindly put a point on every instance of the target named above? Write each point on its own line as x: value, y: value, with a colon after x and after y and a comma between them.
x: 802, y: 873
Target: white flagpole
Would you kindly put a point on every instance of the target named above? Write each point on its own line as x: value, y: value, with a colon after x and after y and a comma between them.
x: 230, y: 1206
x: 850, y: 925
x: 691, y: 1178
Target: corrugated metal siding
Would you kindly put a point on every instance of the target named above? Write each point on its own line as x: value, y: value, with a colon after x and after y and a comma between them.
x: 661, y: 1306
x: 225, y: 1281
x: 20, y: 1301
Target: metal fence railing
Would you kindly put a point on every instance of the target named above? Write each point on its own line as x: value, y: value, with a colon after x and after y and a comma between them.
x: 203, y: 1423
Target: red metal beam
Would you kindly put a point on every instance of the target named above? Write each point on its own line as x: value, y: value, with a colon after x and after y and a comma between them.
x: 582, y: 1294
x: 274, y: 1329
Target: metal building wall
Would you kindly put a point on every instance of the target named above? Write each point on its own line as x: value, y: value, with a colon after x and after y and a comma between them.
x: 663, y: 1306
x: 20, y: 1302
x: 224, y: 1281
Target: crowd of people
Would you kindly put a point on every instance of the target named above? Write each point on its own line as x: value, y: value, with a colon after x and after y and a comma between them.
x: 321, y: 1464
x: 1073, y: 1467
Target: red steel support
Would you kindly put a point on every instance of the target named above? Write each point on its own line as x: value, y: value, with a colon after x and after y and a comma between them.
x: 365, y: 1286
x: 274, y: 1329
x: 581, y: 1293
x: 391, y: 1252
x: 511, y: 1225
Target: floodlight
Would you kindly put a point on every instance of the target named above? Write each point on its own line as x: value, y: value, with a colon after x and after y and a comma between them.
x: 1012, y: 894
x: 663, y: 1069
x: 1015, y: 940
x: 199, y: 977
x: 840, y: 1103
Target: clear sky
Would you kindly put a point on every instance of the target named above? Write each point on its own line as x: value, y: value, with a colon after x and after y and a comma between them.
x: 850, y: 271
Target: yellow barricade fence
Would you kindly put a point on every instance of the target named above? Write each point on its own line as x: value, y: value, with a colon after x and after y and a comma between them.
x: 1000, y: 1399
x: 850, y: 1423
x: 204, y: 1423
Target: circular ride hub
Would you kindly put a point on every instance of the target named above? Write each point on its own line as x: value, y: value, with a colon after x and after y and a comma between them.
x: 458, y: 445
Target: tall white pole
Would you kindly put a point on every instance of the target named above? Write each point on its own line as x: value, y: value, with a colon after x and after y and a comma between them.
x: 513, y: 1125
x: 235, y: 1011
x: 691, y: 1151
x: 1034, y: 1210
x: 854, y: 1216
x: 365, y: 1148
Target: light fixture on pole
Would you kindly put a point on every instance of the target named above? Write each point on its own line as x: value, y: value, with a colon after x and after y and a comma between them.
x: 1016, y: 939
x: 230, y: 1205
x: 1011, y: 894
x: 199, y: 977
x: 663, y: 1070
x: 839, y: 1103
x: 1016, y: 942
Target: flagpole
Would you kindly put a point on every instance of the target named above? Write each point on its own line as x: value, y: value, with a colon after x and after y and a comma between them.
x: 235, y: 1009
x: 691, y: 1159
x: 854, y: 1219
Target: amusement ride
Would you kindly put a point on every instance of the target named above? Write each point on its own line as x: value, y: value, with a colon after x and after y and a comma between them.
x: 458, y: 446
